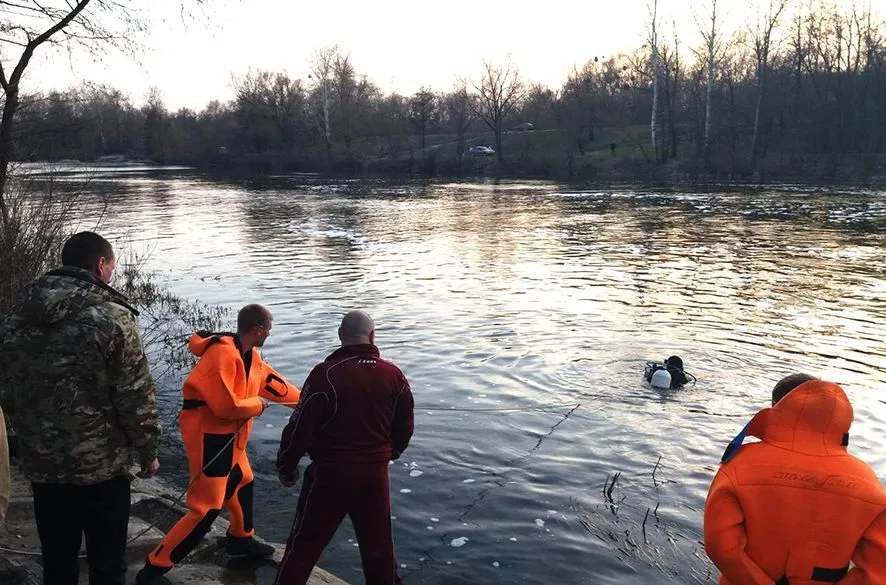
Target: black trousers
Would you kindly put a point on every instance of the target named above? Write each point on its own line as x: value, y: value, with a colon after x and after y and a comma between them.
x: 65, y: 512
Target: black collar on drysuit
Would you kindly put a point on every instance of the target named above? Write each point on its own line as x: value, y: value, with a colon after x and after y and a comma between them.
x: 247, y: 359
x: 246, y: 356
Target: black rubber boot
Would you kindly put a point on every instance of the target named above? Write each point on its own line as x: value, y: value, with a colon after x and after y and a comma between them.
x: 151, y: 575
x: 248, y: 547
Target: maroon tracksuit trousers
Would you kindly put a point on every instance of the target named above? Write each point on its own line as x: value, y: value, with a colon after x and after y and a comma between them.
x: 354, y: 416
x: 328, y: 494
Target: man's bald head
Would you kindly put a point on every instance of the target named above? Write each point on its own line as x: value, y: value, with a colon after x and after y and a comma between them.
x: 356, y: 328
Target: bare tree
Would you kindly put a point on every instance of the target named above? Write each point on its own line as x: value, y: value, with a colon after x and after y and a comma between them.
x: 344, y: 85
x: 322, y: 71
x: 270, y: 108
x: 710, y: 32
x: 351, y: 95
x: 155, y: 119
x: 423, y: 112
x: 459, y: 109
x: 762, y: 44
x: 579, y: 107
x: 27, y: 25
x: 500, y: 89
x: 392, y: 124
x: 671, y: 81
x: 653, y: 47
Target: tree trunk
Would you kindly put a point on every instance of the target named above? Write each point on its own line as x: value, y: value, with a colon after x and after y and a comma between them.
x: 761, y: 86
x: 498, y: 153
x: 709, y: 90
x: 653, y: 124
x: 7, y: 148
x: 11, y: 91
x: 672, y: 114
x: 326, y: 133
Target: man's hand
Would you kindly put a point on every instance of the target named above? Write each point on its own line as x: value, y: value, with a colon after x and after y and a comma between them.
x: 264, y: 404
x: 149, y: 469
x: 288, y: 480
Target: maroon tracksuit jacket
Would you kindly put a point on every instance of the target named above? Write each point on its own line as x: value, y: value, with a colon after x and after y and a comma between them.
x: 354, y: 416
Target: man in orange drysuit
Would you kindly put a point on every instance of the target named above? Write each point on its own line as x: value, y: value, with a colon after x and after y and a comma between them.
x: 796, y: 508
x: 229, y: 386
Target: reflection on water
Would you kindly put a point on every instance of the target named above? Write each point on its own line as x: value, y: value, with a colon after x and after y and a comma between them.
x: 519, y: 295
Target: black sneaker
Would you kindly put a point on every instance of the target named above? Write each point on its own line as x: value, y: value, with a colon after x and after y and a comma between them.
x: 248, y: 547
x: 151, y: 575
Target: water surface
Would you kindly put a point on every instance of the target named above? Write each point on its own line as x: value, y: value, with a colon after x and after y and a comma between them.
x: 539, y: 297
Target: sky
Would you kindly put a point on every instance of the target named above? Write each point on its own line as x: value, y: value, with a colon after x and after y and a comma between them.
x: 400, y: 45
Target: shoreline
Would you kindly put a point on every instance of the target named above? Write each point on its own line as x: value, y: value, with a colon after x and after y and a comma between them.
x: 153, y: 512
x: 662, y: 177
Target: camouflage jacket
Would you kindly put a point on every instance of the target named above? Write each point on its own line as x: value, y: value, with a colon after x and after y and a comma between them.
x: 74, y: 379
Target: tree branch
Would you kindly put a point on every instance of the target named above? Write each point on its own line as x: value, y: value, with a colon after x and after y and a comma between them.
x: 76, y: 10
x: 39, y: 40
x: 3, y: 82
x: 38, y: 10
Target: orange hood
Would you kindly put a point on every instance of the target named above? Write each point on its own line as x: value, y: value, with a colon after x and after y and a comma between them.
x: 814, y: 418
x: 202, y: 340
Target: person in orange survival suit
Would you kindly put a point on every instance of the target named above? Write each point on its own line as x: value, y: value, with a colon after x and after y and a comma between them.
x: 796, y: 508
x: 229, y: 386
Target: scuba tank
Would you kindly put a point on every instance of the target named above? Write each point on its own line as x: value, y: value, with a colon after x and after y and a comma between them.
x: 669, y: 374
x: 660, y: 378
x: 657, y: 375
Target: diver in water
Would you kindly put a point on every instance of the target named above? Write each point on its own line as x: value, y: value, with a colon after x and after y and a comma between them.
x: 669, y: 374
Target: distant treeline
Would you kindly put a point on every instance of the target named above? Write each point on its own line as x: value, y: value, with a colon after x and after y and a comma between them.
x: 797, y: 94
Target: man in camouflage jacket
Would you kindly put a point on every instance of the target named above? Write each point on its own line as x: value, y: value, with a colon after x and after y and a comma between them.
x: 75, y: 380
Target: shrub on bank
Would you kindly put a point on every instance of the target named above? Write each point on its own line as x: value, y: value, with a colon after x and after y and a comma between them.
x: 39, y: 218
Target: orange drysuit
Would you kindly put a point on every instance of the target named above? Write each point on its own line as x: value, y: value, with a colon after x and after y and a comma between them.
x: 797, y: 508
x: 221, y: 396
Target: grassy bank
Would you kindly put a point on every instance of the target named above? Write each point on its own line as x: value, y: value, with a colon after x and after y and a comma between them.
x: 615, y: 155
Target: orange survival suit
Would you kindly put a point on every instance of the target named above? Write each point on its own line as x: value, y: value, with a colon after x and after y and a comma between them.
x: 796, y: 507
x: 221, y: 396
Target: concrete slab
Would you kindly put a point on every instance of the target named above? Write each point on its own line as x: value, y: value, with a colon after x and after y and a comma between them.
x: 154, y: 511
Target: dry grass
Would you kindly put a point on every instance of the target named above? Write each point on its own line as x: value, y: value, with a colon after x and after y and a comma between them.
x: 32, y: 233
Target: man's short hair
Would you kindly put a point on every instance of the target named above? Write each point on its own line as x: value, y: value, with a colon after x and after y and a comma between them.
x: 84, y: 249
x: 252, y: 316
x: 788, y: 383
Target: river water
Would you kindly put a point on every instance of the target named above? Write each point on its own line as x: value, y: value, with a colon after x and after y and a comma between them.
x: 540, y: 297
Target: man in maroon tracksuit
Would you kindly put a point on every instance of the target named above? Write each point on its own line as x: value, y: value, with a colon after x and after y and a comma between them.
x: 354, y: 416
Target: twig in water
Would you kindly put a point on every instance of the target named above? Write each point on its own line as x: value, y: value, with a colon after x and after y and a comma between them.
x: 612, y: 486
x: 654, y: 469
x: 646, y: 517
